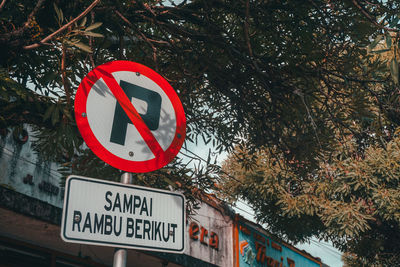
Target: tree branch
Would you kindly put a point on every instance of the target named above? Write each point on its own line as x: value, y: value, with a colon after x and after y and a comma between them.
x: 147, y: 39
x: 371, y: 19
x: 64, y: 76
x: 34, y: 11
x: 14, y: 37
x: 246, y: 29
x: 91, y: 43
x: 123, y: 18
x: 51, y: 36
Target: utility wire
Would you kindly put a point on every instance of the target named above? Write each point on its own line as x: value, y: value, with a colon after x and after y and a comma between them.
x: 230, y: 176
x: 201, y: 159
x: 326, y: 248
x: 12, y: 153
x: 244, y: 211
x: 223, y: 172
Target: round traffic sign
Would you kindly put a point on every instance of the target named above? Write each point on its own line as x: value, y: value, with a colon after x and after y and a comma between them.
x: 130, y: 116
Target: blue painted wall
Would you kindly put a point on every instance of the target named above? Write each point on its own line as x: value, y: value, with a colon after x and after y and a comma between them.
x: 257, y: 249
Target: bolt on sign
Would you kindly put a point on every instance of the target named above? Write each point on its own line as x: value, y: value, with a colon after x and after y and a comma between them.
x: 122, y: 215
x: 130, y: 116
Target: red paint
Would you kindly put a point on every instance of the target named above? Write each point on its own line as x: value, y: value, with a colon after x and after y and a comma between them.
x: 194, y: 231
x: 261, y: 250
x: 212, y: 240
x: 235, y: 236
x: 245, y: 230
x: 290, y: 262
x: 243, y: 244
x: 129, y: 109
x: 259, y: 237
x: 203, y: 235
x: 276, y: 246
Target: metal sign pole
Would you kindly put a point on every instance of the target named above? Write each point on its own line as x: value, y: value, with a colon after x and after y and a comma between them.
x: 120, y: 254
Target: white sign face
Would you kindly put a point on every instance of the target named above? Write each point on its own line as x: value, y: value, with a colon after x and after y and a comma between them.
x: 105, y: 213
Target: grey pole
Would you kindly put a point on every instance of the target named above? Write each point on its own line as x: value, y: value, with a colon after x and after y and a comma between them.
x: 120, y: 254
x: 120, y: 257
x: 126, y: 178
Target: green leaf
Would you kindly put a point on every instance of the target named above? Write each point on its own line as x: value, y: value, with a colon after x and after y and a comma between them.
x: 59, y: 13
x: 55, y: 116
x: 394, y: 70
x: 83, y: 23
x: 94, y: 26
x: 380, y: 51
x: 170, y: 182
x: 388, y: 40
x: 83, y: 47
x: 394, y: 22
x: 49, y: 111
x: 93, y: 34
x: 375, y: 42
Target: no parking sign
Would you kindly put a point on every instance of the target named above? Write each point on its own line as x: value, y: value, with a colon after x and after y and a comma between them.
x: 130, y: 116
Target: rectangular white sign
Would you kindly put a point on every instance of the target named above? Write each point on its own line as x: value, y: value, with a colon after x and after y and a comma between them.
x: 99, y: 212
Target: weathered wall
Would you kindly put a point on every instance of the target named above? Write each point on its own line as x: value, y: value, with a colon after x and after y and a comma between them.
x: 31, y: 186
x: 203, y: 229
x: 42, y: 228
x: 257, y: 248
x: 23, y: 171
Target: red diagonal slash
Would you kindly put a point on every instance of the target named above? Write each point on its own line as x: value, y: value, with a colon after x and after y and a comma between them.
x: 130, y: 111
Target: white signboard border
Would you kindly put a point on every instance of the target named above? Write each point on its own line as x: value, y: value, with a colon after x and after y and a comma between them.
x: 115, y: 244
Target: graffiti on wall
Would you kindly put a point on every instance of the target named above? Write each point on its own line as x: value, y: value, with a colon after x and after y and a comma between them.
x: 256, y: 249
x: 206, y: 238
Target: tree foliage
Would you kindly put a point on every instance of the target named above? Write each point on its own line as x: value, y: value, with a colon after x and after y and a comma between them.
x: 347, y: 193
x: 352, y: 201
x: 232, y: 65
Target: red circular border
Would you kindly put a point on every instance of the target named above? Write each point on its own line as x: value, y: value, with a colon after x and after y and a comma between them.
x: 83, y: 125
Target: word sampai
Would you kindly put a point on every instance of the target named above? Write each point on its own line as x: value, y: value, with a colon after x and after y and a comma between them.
x: 138, y: 226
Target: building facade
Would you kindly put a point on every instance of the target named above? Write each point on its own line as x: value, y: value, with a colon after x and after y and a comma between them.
x: 31, y: 202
